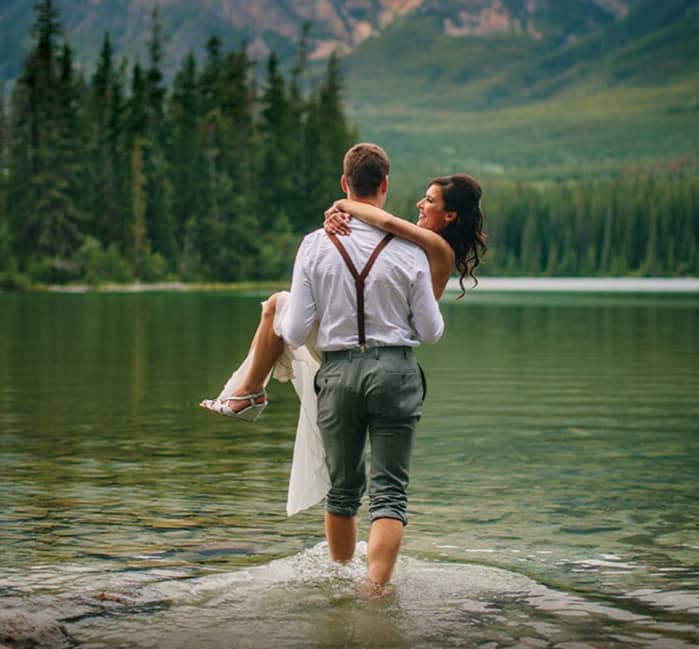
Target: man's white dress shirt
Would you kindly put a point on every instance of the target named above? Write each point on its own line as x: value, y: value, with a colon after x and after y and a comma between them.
x: 400, y: 307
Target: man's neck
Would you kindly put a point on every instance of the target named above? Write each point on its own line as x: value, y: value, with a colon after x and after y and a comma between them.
x: 369, y: 200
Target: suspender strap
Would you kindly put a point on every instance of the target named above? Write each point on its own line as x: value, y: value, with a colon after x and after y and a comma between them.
x: 359, y: 279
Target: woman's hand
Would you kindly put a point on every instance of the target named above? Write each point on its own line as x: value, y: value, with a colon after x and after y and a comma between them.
x: 336, y: 220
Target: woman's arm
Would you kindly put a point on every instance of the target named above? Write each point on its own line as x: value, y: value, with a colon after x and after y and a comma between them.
x: 439, y: 253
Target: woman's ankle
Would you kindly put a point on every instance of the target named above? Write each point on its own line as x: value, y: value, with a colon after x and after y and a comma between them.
x: 248, y: 388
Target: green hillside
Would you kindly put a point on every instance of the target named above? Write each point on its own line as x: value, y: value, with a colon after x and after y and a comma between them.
x: 655, y: 43
x: 577, y: 136
x: 574, y: 92
x: 416, y: 61
x: 619, y: 97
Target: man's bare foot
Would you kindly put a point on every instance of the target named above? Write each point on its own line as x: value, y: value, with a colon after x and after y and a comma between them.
x: 369, y: 589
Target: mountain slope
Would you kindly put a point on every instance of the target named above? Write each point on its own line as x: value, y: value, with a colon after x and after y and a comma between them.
x: 652, y: 43
x: 617, y: 97
x: 277, y: 24
x: 608, y: 53
x: 535, y: 88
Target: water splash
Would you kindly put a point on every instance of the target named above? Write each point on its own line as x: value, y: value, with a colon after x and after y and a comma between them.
x: 306, y: 600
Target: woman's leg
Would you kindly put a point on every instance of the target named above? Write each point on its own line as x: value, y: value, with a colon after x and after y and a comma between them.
x: 268, y: 347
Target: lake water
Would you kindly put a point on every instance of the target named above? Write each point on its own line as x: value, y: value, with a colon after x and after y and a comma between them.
x: 554, y: 495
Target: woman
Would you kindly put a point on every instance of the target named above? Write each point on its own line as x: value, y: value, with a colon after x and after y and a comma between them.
x: 449, y: 226
x: 449, y: 229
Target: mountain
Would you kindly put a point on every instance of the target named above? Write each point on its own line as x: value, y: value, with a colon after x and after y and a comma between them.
x: 617, y: 94
x: 277, y: 24
x: 647, y: 41
x: 544, y: 88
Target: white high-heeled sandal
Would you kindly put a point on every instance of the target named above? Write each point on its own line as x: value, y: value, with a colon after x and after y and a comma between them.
x: 250, y: 413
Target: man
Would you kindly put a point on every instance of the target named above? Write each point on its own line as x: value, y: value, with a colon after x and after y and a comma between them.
x: 373, y: 299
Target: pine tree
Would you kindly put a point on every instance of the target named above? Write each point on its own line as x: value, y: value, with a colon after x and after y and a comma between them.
x: 106, y: 146
x: 650, y: 263
x: 687, y: 239
x: 118, y: 141
x: 606, y: 249
x: 6, y: 257
x: 155, y: 91
x: 276, y: 173
x: 328, y: 136
x: 46, y: 30
x: 32, y: 99
x: 137, y: 108
x: 102, y: 162
x: 39, y: 78
x: 239, y: 129
x: 297, y: 113
x: 70, y: 117
x: 530, y: 254
x: 229, y: 226
x: 140, y: 246
x: 187, y: 167
x: 44, y: 166
x: 161, y: 225
x: 693, y: 258
x: 210, y: 86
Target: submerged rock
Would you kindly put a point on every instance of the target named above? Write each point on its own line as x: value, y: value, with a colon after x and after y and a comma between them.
x: 22, y: 630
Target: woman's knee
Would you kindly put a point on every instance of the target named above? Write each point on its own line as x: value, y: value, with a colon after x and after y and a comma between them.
x: 269, y: 306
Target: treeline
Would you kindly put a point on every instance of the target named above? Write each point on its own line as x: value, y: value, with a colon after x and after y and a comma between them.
x: 646, y: 225
x: 118, y: 177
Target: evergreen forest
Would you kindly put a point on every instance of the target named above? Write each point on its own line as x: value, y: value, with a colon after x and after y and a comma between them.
x: 120, y: 178
x: 116, y: 176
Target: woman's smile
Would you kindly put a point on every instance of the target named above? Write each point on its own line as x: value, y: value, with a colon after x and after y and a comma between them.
x: 431, y: 211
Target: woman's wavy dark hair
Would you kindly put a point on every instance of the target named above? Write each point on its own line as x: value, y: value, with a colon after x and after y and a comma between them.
x: 462, y: 194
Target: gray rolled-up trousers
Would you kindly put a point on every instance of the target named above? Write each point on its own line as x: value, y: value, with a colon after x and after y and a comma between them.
x: 378, y: 392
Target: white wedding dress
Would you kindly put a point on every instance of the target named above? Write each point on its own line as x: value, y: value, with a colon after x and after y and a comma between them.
x: 309, y: 481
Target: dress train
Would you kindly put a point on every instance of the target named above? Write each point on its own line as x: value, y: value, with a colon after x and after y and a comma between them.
x: 309, y: 481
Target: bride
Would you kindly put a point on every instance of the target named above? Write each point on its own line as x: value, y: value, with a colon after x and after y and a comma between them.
x: 449, y: 230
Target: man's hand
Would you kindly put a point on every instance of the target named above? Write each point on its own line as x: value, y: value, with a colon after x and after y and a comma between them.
x: 336, y: 220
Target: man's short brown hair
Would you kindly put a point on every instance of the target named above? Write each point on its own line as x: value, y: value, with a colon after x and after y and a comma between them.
x: 365, y: 166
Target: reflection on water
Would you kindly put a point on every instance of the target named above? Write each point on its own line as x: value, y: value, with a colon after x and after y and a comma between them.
x: 553, y: 500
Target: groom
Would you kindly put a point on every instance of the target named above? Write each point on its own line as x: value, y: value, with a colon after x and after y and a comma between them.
x: 372, y: 297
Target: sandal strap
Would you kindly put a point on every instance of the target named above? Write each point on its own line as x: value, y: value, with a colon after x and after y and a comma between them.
x: 248, y: 397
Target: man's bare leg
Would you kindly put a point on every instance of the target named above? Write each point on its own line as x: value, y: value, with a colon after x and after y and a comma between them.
x: 268, y: 347
x: 341, y: 533
x: 384, y: 542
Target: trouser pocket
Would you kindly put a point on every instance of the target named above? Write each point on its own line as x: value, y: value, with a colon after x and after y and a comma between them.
x: 424, y: 381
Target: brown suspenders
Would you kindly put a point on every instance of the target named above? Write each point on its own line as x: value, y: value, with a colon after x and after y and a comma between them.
x: 359, y: 279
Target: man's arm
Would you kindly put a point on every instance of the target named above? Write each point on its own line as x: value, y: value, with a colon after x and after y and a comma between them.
x: 298, y: 321
x: 426, y: 317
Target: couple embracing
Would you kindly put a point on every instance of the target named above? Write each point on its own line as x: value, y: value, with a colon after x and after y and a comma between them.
x: 363, y: 295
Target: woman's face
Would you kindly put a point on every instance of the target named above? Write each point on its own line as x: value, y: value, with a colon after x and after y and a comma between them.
x: 432, y: 214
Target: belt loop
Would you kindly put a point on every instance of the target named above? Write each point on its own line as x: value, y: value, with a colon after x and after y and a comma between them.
x: 349, y: 355
x: 405, y: 353
x: 376, y: 353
